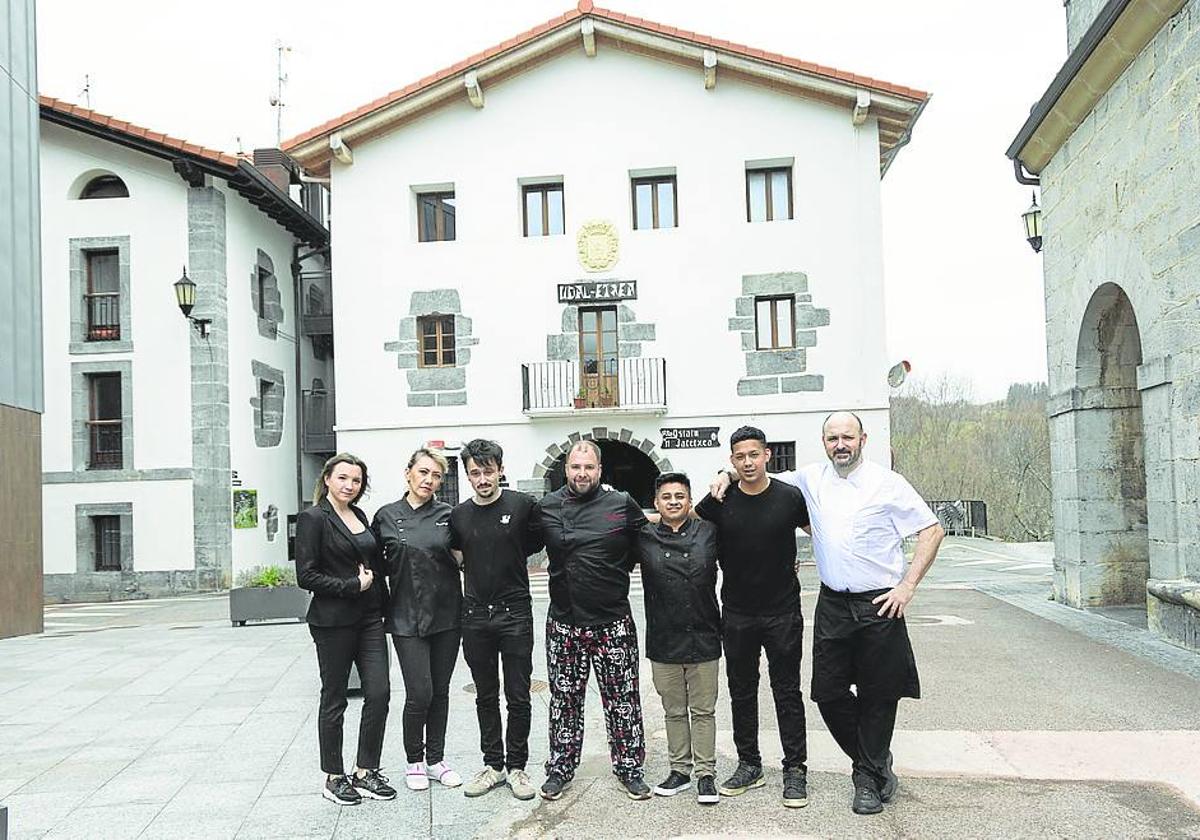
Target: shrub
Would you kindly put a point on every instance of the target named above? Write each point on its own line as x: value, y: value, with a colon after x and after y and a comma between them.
x: 267, y: 576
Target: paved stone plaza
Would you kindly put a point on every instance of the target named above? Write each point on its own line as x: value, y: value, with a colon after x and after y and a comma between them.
x: 157, y: 719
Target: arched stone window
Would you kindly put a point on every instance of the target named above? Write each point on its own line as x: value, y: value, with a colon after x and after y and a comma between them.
x: 104, y: 186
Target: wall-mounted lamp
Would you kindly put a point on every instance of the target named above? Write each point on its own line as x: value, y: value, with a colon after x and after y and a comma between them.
x: 1033, y: 225
x: 185, y: 296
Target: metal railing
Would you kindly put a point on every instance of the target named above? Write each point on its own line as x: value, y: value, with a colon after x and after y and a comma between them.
x: 318, y: 415
x: 104, y: 445
x: 103, y: 316
x: 963, y: 517
x: 622, y: 384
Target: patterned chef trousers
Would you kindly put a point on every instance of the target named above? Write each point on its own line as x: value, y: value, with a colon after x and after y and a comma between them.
x: 612, y: 650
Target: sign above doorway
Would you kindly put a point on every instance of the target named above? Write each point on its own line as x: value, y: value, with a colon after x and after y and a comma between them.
x: 597, y: 292
x: 698, y: 437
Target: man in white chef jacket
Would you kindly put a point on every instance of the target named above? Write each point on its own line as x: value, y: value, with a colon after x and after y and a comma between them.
x: 860, y: 513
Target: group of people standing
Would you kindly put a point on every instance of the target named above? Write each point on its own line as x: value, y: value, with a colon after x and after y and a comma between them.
x: 435, y: 577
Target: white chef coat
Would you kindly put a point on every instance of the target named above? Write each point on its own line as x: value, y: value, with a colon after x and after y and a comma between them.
x: 858, y: 523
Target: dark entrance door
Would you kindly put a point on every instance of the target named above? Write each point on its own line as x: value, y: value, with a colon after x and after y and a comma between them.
x: 622, y: 466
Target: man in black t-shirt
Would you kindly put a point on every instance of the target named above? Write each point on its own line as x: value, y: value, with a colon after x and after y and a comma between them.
x: 760, y: 595
x: 493, y: 534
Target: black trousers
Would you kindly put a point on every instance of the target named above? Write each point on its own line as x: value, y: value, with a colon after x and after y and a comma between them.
x: 363, y: 644
x: 854, y: 646
x: 500, y: 636
x: 426, y: 663
x: 781, y: 636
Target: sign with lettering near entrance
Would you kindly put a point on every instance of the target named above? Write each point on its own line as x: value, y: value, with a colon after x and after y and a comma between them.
x: 699, y: 437
x: 605, y: 291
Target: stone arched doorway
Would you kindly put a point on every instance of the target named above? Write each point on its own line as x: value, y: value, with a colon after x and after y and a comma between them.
x: 1111, y: 563
x: 627, y: 463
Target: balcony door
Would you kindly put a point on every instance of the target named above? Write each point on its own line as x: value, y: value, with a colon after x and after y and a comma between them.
x: 598, y: 356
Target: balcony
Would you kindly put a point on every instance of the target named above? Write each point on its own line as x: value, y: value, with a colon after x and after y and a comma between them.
x: 104, y: 445
x: 317, y: 432
x: 103, y: 316
x: 625, y: 386
x: 316, y: 320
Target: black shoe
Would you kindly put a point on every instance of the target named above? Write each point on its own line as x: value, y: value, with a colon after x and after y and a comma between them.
x: 795, y: 788
x: 673, y: 784
x: 339, y: 791
x: 890, y: 782
x: 866, y: 800
x: 746, y: 776
x: 636, y: 787
x: 706, y: 791
x: 553, y: 787
x: 373, y: 785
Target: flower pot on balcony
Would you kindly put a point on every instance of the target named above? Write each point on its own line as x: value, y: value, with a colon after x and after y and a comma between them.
x: 581, y: 402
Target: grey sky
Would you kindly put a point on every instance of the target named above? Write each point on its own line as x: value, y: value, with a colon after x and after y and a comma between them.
x: 964, y: 290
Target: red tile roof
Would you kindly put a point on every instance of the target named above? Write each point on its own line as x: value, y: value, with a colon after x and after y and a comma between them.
x: 584, y: 9
x: 114, y: 124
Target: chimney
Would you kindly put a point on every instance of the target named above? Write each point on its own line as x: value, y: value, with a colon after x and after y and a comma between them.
x: 278, y: 167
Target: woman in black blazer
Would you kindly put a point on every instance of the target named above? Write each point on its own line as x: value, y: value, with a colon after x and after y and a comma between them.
x: 425, y: 614
x: 339, y: 561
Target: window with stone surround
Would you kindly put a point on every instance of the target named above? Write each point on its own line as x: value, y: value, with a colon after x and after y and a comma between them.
x: 436, y: 334
x: 435, y: 216
x: 655, y: 204
x: 774, y: 325
x: 768, y: 193
x: 106, y: 531
x: 267, y: 404
x: 104, y: 538
x: 542, y: 207
x: 102, y: 300
x: 783, y: 456
x: 264, y: 295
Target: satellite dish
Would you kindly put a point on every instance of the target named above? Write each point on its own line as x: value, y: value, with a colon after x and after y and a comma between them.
x: 898, y: 373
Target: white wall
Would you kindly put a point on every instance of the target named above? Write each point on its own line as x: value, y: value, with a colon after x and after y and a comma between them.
x: 592, y: 121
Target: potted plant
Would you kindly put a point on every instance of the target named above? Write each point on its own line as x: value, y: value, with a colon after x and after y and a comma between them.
x: 581, y: 398
x: 267, y: 592
x: 607, y: 398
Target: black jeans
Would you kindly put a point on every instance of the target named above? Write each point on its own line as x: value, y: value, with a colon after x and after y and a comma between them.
x: 781, y: 636
x: 491, y: 633
x: 854, y: 646
x: 426, y: 664
x: 337, y: 647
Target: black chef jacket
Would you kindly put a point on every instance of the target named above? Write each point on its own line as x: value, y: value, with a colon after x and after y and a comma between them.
x: 588, y: 540
x: 422, y: 573
x: 679, y: 581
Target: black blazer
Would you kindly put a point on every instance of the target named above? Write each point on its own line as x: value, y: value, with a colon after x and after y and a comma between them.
x: 327, y: 562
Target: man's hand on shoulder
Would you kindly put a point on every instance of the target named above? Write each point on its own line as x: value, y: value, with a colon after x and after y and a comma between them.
x: 719, y: 486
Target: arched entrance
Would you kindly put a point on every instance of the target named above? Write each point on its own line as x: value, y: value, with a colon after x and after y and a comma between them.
x: 627, y: 463
x: 1112, y: 562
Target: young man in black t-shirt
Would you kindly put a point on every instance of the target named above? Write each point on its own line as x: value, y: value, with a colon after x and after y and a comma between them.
x: 760, y: 596
x: 493, y: 535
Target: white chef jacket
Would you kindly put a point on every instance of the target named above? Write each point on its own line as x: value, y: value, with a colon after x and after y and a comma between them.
x: 858, y: 523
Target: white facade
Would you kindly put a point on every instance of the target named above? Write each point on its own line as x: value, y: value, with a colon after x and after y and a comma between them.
x: 592, y: 122
x: 155, y: 486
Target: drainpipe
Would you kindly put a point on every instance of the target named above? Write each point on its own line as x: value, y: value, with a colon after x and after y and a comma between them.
x: 298, y: 320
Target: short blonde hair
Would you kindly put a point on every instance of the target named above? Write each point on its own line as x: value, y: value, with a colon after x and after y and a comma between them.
x: 432, y: 454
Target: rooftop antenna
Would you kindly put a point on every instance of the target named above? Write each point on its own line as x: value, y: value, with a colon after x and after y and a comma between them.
x: 277, y: 97
x: 86, y: 93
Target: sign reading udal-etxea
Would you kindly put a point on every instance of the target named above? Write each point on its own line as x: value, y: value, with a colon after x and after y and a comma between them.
x: 597, y: 292
x: 699, y: 437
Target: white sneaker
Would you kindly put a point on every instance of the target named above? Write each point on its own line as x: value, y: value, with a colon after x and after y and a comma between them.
x: 485, y: 780
x: 416, y: 777
x: 442, y: 773
x: 519, y: 784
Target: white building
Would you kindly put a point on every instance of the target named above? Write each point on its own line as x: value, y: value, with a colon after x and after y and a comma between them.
x: 151, y: 428
x: 682, y: 232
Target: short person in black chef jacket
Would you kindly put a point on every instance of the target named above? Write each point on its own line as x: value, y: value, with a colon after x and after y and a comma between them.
x: 589, y: 533
x: 338, y: 560
x: 678, y: 556
x: 760, y: 595
x: 423, y: 616
x: 493, y: 534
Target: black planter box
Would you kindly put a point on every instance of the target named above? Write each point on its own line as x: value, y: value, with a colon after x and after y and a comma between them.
x: 265, y: 603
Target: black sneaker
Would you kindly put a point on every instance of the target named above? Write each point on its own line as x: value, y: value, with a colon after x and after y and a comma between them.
x: 890, y: 782
x: 795, y: 788
x: 373, y: 785
x: 706, y: 791
x: 339, y: 791
x: 553, y: 787
x: 745, y: 777
x: 636, y: 787
x: 673, y: 784
x: 866, y: 800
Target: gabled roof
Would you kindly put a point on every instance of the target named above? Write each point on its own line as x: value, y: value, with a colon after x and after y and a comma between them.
x: 897, y: 107
x: 191, y: 162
